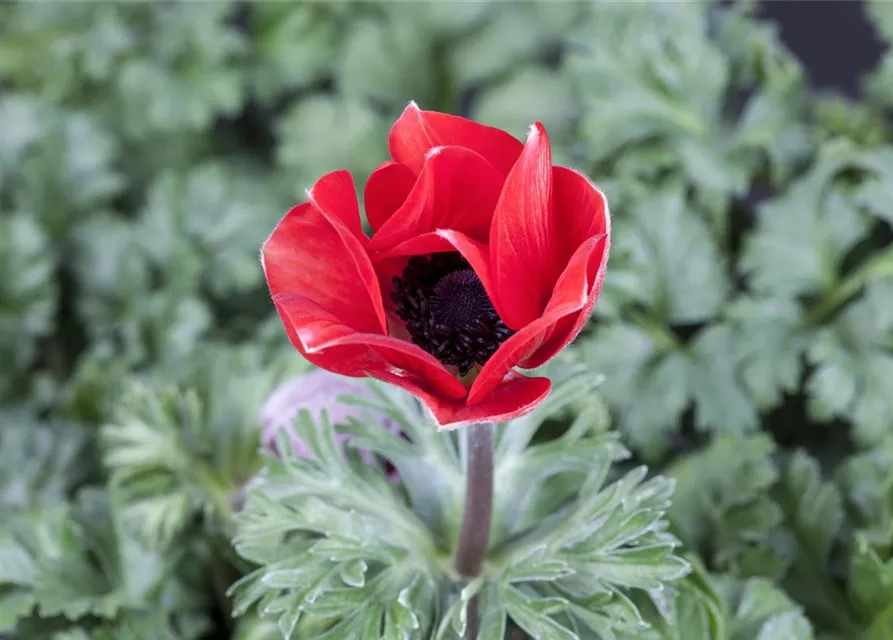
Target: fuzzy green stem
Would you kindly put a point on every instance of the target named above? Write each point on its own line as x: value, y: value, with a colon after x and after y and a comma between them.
x: 881, y: 264
x: 475, y: 534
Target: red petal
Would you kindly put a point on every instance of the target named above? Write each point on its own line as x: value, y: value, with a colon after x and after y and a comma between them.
x: 576, y: 291
x: 417, y: 131
x: 386, y: 190
x: 525, y: 258
x: 511, y: 352
x: 583, y: 211
x: 517, y: 395
x: 335, y: 195
x: 590, y: 259
x: 580, y: 209
x: 321, y: 260
x: 330, y: 344
x: 457, y: 189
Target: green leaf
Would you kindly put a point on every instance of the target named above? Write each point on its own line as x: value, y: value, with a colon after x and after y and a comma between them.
x: 39, y: 463
x: 609, y: 540
x: 533, y: 617
x: 646, y: 389
x: 866, y: 481
x: 205, y: 228
x: 537, y: 566
x: 372, y: 61
x: 691, y: 610
x: 27, y: 299
x: 68, y: 173
x: 493, y: 618
x: 881, y: 16
x: 814, y: 520
x: 721, y: 503
x: 839, y: 117
x: 666, y: 258
x: 721, y: 404
x: 189, y: 76
x: 803, y: 234
x: 322, y: 134
x: 844, y: 336
x: 177, y: 452
x: 71, y: 561
x: 354, y: 574
x: 771, y: 343
x: 20, y: 119
x: 655, y: 378
x: 759, y: 607
x: 852, y: 364
x: 657, y: 87
x: 294, y: 45
x: 870, y: 580
x: 793, y: 625
x: 430, y: 468
x: 509, y: 36
x: 529, y: 95
x: 337, y: 542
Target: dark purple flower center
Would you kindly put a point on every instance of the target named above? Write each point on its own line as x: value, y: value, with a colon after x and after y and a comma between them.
x: 447, y: 311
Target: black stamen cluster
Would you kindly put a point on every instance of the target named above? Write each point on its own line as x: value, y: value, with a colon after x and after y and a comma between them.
x: 447, y: 311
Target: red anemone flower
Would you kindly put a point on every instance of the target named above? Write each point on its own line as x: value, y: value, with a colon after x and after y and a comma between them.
x: 484, y: 257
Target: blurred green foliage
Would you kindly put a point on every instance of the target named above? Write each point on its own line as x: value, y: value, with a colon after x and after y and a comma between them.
x: 745, y: 329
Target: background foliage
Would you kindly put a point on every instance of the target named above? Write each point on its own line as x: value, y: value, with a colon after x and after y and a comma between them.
x: 744, y: 332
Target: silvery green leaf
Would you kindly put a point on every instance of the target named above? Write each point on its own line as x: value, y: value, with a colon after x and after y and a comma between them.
x: 683, y: 279
x: 754, y: 603
x: 771, y: 342
x: 722, y: 500
x: 372, y: 62
x: 813, y: 506
x: 177, y: 451
x: 851, y: 360
x: 295, y: 44
x: 537, y: 566
x: 530, y: 94
x: 493, y: 618
x: 690, y: 609
x: 533, y: 615
x: 28, y: 300
x: 510, y: 35
x: 320, y: 134
x: 793, y: 625
x: 39, y: 463
x: 870, y: 579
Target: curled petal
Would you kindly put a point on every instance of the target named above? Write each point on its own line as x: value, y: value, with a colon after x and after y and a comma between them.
x: 315, y: 256
x: 525, y: 254
x: 330, y: 344
x: 582, y: 278
x: 517, y: 395
x: 335, y: 196
x: 457, y: 189
x: 580, y: 209
x: 386, y: 191
x: 577, y: 290
x: 416, y: 132
x: 446, y: 240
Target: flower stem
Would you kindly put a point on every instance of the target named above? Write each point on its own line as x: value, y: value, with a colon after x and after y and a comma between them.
x: 475, y: 535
